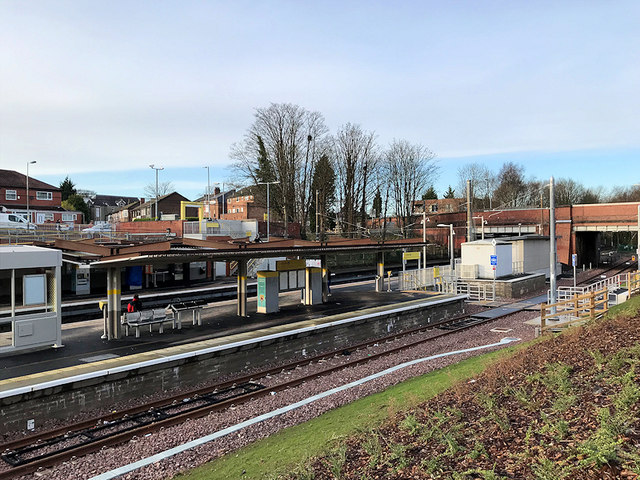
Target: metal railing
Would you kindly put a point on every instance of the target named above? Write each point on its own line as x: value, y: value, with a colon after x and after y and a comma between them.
x: 517, y: 267
x: 475, y: 291
x: 616, y: 281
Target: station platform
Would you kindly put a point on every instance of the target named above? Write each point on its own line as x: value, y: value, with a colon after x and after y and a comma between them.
x: 84, y: 351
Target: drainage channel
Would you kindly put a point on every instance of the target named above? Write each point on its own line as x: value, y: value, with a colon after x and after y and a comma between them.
x: 84, y: 438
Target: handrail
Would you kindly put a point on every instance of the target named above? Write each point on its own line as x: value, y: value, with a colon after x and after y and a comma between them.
x: 577, y: 309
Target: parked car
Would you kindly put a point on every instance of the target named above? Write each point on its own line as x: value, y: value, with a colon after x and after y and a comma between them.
x: 99, y: 227
x: 11, y: 220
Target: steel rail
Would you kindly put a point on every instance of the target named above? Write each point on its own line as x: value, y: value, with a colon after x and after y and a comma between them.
x: 116, y: 439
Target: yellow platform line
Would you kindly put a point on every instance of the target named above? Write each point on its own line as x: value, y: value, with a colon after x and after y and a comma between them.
x: 111, y: 363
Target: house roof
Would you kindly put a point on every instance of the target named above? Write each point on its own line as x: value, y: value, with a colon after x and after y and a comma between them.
x: 11, y: 178
x: 160, y: 199
x: 111, y: 201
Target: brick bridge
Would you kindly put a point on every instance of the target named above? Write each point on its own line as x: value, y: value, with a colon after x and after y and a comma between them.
x: 578, y: 227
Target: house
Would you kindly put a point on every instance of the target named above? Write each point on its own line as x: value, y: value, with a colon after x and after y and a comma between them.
x: 44, y: 200
x: 439, y: 205
x: 218, y: 203
x: 124, y: 213
x: 101, y: 206
x: 245, y: 205
x: 167, y: 205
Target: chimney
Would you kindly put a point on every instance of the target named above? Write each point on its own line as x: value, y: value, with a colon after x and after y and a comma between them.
x: 141, y: 201
x: 216, y: 190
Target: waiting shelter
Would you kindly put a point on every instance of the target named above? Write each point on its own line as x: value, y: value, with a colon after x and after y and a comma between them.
x: 30, y: 298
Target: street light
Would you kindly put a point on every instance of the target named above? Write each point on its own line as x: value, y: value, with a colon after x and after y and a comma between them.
x: 156, y: 169
x: 268, y: 217
x: 208, y: 192
x: 28, y: 213
x: 450, y: 225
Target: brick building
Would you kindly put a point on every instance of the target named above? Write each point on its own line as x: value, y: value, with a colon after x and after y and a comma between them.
x: 244, y: 205
x: 44, y: 200
x: 440, y: 205
x: 167, y: 205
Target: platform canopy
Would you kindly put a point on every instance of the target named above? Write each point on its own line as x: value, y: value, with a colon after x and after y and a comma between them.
x: 183, y: 250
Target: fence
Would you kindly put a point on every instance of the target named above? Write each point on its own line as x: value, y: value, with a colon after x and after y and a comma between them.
x: 616, y: 281
x: 230, y: 228
x: 577, y: 309
x: 444, y: 280
x: 423, y: 278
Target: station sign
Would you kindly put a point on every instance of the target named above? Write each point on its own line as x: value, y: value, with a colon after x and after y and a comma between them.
x: 411, y: 256
x: 494, y: 260
x: 574, y: 259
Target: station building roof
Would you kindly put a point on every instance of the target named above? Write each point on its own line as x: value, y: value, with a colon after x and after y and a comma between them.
x: 182, y: 250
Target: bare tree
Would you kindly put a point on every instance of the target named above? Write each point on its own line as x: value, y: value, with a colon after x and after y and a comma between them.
x: 164, y: 188
x: 355, y: 158
x: 288, y: 139
x: 568, y: 191
x: 483, y: 182
x: 410, y: 170
x: 509, y: 192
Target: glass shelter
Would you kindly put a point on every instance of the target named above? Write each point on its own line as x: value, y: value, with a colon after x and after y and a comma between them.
x: 30, y: 305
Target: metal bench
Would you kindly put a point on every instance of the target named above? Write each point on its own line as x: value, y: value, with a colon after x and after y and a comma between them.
x: 144, y: 318
x: 193, y: 309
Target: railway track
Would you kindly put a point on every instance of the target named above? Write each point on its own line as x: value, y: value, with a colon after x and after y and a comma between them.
x: 49, y: 448
x: 616, y: 269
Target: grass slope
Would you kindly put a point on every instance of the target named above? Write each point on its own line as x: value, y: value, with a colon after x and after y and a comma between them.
x: 293, y: 446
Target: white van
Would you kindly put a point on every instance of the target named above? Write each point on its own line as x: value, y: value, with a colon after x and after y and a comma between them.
x: 11, y: 220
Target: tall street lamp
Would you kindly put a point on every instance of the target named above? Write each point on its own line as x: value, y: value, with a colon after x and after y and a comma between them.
x: 156, y: 169
x: 450, y: 225
x: 208, y: 192
x: 268, y: 217
x: 28, y: 212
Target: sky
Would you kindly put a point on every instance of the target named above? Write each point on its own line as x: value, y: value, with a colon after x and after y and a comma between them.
x: 99, y: 90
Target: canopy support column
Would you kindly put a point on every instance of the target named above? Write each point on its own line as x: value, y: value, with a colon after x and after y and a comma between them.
x: 113, y: 297
x: 380, y: 272
x: 242, y: 287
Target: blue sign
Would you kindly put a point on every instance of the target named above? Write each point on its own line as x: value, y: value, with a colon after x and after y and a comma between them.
x: 494, y: 260
x: 574, y: 259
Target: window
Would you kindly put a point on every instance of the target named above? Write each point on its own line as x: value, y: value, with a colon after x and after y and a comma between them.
x: 433, y: 208
x: 69, y: 217
x: 242, y: 209
x: 11, y: 195
x: 44, y: 195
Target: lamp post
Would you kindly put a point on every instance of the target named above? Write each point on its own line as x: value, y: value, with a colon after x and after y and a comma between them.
x: 268, y: 217
x: 208, y: 193
x: 450, y: 225
x: 481, y: 225
x: 156, y: 169
x: 28, y: 212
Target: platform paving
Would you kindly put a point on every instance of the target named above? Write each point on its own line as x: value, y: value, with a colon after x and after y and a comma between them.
x: 83, y: 344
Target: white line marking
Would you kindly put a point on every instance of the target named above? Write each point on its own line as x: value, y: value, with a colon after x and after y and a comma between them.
x: 115, y: 473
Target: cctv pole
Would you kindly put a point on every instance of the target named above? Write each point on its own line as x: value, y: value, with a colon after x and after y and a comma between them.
x: 470, y: 232
x: 424, y: 235
x: 451, y: 246
x: 552, y: 243
x: 317, y: 216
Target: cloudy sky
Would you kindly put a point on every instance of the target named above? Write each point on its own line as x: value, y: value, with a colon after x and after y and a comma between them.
x: 98, y: 90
